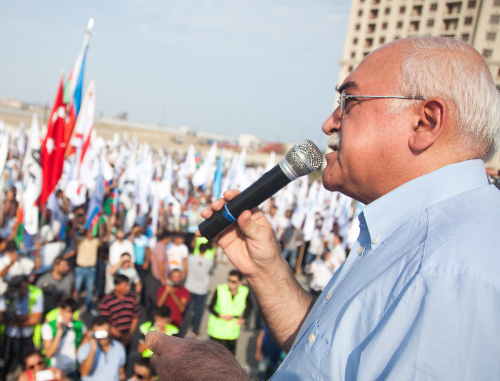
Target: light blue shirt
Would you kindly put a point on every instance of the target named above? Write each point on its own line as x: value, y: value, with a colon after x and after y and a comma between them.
x: 106, y: 364
x: 419, y: 295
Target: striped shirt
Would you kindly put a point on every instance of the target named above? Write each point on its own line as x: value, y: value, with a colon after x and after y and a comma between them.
x: 120, y: 312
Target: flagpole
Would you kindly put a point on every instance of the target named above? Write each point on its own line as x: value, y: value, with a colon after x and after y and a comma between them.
x: 77, y: 66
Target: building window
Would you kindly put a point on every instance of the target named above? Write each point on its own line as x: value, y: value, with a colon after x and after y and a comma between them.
x: 417, y: 10
x: 434, y: 7
x: 451, y: 24
x: 487, y: 53
x: 369, y: 43
x: 414, y: 26
x: 353, y: 54
x: 350, y: 68
x: 497, y: 3
x: 373, y: 13
x: 430, y: 23
x: 384, y: 25
x: 355, y: 41
x: 402, y: 9
x: 387, y: 11
x: 397, y: 37
x: 468, y: 21
x: 375, y: 2
x: 360, y: 12
x: 465, y: 37
x: 471, y: 4
x: 495, y: 19
x: 371, y: 28
x: 365, y: 54
x: 491, y: 36
x: 382, y: 40
x: 358, y: 26
x: 454, y: 8
x: 399, y: 25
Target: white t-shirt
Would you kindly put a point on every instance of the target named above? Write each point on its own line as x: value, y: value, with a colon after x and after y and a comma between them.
x: 198, y: 277
x: 322, y: 273
x: 118, y: 248
x: 23, y: 266
x: 337, y: 257
x: 65, y: 356
x: 175, y: 255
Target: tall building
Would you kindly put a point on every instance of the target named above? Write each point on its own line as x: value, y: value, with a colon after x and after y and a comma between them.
x: 373, y: 23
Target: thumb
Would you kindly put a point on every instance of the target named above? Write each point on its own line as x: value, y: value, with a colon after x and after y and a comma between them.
x: 248, y: 226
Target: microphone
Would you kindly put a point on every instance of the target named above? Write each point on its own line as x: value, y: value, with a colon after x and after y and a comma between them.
x: 302, y: 159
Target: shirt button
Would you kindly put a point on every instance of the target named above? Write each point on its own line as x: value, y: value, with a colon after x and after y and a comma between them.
x: 328, y: 296
x: 360, y: 250
x: 375, y: 240
x: 311, y: 338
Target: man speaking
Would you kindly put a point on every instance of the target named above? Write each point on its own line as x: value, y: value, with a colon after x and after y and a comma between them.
x: 419, y: 295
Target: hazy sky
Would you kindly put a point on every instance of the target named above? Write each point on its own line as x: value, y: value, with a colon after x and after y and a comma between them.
x: 267, y: 67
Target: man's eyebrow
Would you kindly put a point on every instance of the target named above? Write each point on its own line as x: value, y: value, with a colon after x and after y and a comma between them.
x: 347, y: 86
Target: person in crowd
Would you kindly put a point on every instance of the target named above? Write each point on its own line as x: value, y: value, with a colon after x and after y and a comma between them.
x: 174, y: 296
x: 13, y: 264
x: 21, y: 309
x: 158, y: 275
x: 101, y: 357
x: 267, y: 354
x: 142, y: 253
x: 143, y: 370
x: 416, y: 119
x: 55, y: 283
x: 162, y: 318
x: 124, y: 267
x: 338, y: 254
x: 315, y: 246
x: 322, y: 271
x: 116, y: 249
x: 121, y: 309
x: 177, y: 254
x: 86, y: 266
x: 229, y: 309
x: 62, y: 337
x: 197, y: 283
x: 35, y: 368
x: 291, y: 241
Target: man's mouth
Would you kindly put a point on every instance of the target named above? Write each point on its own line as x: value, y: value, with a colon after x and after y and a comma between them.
x: 334, y: 141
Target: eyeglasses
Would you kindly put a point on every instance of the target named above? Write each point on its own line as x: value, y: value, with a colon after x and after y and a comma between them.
x: 39, y: 363
x: 343, y: 97
x: 140, y: 376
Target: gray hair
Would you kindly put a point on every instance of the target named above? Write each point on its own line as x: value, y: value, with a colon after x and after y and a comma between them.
x: 454, y: 71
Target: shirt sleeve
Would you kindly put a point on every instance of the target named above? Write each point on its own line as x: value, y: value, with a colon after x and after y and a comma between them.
x: 83, y: 352
x: 212, y: 304
x: 47, y: 333
x: 38, y: 306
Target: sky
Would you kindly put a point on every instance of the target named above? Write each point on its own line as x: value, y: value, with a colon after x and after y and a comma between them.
x: 264, y: 67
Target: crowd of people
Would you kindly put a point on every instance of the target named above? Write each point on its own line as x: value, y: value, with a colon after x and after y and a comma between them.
x: 78, y: 297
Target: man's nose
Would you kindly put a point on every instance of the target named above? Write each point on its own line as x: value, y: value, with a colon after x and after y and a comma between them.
x: 333, y: 122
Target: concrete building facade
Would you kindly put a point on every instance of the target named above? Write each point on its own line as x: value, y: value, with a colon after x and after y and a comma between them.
x: 373, y: 23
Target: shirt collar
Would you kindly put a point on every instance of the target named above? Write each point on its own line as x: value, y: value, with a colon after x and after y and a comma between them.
x: 386, y: 214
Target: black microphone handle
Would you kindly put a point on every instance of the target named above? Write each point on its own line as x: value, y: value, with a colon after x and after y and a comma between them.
x: 270, y: 183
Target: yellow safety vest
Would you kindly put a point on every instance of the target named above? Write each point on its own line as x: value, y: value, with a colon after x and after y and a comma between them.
x: 210, y: 253
x: 148, y: 326
x: 226, y: 305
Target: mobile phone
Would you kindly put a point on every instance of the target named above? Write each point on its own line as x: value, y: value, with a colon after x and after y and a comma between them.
x: 100, y: 335
x: 45, y: 375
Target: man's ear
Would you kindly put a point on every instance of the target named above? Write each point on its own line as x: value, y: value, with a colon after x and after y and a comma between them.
x: 431, y: 123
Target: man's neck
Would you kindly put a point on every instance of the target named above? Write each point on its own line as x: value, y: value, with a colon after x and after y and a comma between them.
x: 118, y: 295
x: 56, y: 275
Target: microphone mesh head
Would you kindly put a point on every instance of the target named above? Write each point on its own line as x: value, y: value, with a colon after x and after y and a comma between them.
x: 304, y: 158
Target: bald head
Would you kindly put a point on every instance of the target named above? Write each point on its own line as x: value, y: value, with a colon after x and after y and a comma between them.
x: 454, y: 71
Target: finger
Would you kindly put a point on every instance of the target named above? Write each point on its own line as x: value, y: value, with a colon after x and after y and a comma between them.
x: 230, y: 194
x: 191, y: 336
x: 247, y: 225
x: 159, y: 342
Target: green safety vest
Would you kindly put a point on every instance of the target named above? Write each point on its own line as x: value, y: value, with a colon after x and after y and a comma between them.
x: 77, y: 327
x: 33, y: 294
x: 210, y: 253
x: 226, y: 305
x: 148, y: 326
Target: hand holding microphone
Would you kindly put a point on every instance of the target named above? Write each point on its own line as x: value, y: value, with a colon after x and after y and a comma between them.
x: 302, y: 159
